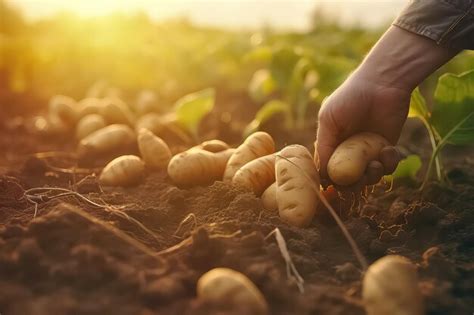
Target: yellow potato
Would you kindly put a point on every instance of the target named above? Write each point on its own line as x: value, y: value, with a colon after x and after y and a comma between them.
x: 214, y: 145
x: 256, y: 145
x: 269, y: 200
x: 227, y: 287
x: 350, y: 159
x: 64, y: 108
x: 390, y: 287
x: 106, y: 140
x: 147, y: 102
x: 88, y: 124
x: 256, y: 175
x: 198, y: 167
x: 295, y: 195
x: 89, y: 105
x: 154, y: 151
x: 125, y: 170
x: 115, y: 111
x: 49, y: 126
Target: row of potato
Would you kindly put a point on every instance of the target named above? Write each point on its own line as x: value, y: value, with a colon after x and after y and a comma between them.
x: 90, y: 114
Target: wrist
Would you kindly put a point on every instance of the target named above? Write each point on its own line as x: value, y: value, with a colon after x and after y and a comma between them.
x: 402, y: 60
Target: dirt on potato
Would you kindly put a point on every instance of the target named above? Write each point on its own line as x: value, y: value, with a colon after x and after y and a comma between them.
x: 144, y: 252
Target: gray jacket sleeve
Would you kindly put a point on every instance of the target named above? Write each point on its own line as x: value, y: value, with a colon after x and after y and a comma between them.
x: 448, y: 22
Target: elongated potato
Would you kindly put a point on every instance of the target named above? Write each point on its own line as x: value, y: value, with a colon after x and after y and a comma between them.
x: 64, y: 108
x: 147, y: 102
x: 269, y: 198
x: 125, y: 170
x: 154, y: 151
x: 198, y: 167
x: 390, y: 286
x: 256, y: 175
x: 256, y: 145
x: 295, y: 195
x: 350, y: 159
x: 223, y: 286
x: 89, y: 105
x: 49, y: 126
x: 106, y: 140
x: 115, y: 111
x: 88, y: 124
x: 214, y: 145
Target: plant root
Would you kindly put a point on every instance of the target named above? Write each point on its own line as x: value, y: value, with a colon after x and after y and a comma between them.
x: 291, y: 271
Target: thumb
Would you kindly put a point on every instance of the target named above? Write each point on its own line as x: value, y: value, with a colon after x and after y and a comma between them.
x: 326, y: 143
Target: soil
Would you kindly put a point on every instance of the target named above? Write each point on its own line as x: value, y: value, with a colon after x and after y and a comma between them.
x: 66, y: 261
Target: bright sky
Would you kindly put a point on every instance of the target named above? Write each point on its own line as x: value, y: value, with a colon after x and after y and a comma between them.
x: 293, y: 14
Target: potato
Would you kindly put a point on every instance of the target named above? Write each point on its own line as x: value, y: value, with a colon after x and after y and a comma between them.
x: 256, y: 145
x: 49, y: 126
x: 106, y: 140
x: 88, y: 124
x: 115, y: 111
x: 198, y: 167
x: 214, y: 145
x: 125, y: 170
x: 64, y: 108
x: 90, y: 105
x: 256, y: 175
x: 227, y: 287
x: 269, y: 198
x: 350, y: 159
x: 154, y: 151
x: 147, y: 102
x: 390, y: 286
x: 295, y: 195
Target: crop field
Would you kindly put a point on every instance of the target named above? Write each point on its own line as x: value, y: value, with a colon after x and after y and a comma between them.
x: 166, y: 168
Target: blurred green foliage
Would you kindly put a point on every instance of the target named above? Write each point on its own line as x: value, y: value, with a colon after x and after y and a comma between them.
x: 69, y: 55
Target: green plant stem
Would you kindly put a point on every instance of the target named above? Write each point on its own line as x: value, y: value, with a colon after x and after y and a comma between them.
x: 433, y: 147
x: 440, y: 145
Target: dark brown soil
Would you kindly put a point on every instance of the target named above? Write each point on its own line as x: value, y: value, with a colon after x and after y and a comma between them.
x: 64, y: 263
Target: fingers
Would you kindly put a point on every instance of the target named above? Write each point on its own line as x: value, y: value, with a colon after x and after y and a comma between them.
x: 374, y: 172
x: 389, y: 157
x: 327, y: 141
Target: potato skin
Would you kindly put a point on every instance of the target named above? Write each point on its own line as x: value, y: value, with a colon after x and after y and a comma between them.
x: 106, y: 140
x: 256, y: 175
x: 269, y: 200
x: 63, y: 108
x: 198, y: 167
x: 350, y: 159
x: 214, y: 145
x: 88, y: 124
x: 256, y: 145
x: 295, y: 195
x: 223, y: 286
x: 390, y: 286
x: 154, y: 151
x: 126, y: 170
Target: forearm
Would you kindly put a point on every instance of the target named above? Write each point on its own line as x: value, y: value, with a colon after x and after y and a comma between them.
x: 402, y: 59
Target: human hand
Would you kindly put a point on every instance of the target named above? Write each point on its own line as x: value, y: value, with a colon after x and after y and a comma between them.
x: 362, y: 105
x: 375, y: 98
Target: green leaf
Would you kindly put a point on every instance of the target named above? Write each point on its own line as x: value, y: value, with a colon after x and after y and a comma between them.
x: 267, y: 111
x: 303, y: 79
x: 262, y: 85
x: 282, y: 64
x: 261, y: 54
x: 408, y: 167
x: 191, y: 108
x: 454, y: 101
x: 418, y: 107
